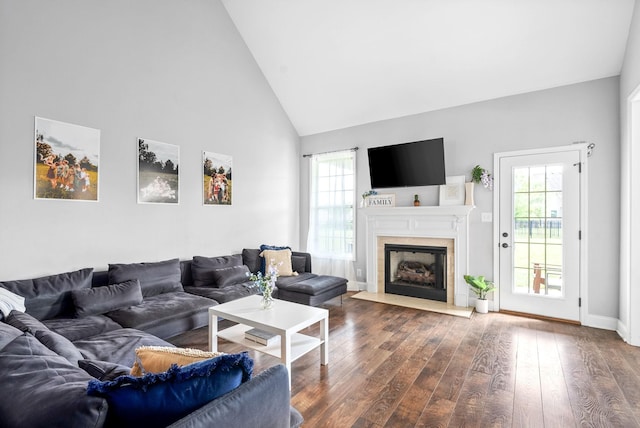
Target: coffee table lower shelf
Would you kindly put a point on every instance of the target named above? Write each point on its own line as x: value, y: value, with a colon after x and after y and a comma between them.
x: 300, y: 343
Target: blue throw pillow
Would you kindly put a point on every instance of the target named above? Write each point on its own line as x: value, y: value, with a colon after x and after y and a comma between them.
x: 263, y: 263
x: 157, y: 400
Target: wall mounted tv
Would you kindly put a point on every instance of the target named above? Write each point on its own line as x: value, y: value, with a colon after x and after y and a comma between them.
x: 420, y: 163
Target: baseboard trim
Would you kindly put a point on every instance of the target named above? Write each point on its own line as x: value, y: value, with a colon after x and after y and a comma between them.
x: 599, y: 321
x: 538, y: 317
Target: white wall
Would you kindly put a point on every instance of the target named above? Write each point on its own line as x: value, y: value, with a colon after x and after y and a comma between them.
x: 168, y: 70
x: 629, y: 327
x: 582, y: 112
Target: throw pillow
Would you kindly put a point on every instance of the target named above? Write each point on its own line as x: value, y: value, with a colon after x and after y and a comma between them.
x: 202, y: 268
x: 50, y: 296
x: 299, y: 263
x: 263, y: 247
x: 230, y: 275
x: 156, y: 359
x: 100, y: 300
x: 155, y: 278
x: 157, y: 400
x: 60, y: 345
x: 281, y: 259
x: 103, y: 370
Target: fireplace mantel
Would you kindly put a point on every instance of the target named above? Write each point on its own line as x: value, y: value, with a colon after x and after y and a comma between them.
x: 442, y: 222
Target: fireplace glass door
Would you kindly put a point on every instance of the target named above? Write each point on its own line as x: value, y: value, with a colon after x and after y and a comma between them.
x: 416, y: 271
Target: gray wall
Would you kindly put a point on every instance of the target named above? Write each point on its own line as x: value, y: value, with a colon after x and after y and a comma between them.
x: 630, y: 194
x: 167, y: 70
x: 473, y: 133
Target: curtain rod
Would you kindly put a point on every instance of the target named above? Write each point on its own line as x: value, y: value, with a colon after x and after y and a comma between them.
x: 353, y: 149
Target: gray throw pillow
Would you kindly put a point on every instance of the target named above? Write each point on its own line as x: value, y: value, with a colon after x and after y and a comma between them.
x: 298, y: 263
x: 202, y: 268
x: 100, y: 300
x: 155, y: 278
x: 230, y: 275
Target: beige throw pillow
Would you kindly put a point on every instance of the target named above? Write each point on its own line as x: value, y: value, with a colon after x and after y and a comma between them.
x: 158, y: 359
x: 280, y: 258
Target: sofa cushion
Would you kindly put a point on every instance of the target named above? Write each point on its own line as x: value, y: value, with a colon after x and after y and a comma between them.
x: 100, y: 300
x: 43, y: 389
x: 117, y: 346
x: 156, y: 400
x: 103, y: 370
x: 81, y: 328
x: 202, y: 268
x: 157, y: 359
x: 25, y: 322
x: 50, y: 296
x: 165, y: 315
x: 251, y: 258
x: 8, y: 333
x: 155, y: 278
x: 60, y: 345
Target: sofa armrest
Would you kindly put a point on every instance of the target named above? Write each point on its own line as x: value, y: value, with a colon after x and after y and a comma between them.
x: 264, y: 402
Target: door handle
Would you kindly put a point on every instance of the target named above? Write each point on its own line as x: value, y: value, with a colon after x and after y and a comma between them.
x: 505, y: 245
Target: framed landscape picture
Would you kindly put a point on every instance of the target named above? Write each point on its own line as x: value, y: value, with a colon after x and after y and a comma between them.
x: 67, y: 159
x: 158, y: 172
x: 217, y: 180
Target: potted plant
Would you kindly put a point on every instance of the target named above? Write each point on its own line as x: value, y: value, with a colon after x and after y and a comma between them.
x: 481, y: 287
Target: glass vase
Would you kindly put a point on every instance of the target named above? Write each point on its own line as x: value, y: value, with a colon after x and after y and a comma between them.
x: 267, y: 300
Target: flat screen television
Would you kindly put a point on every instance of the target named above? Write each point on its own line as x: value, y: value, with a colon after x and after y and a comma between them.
x: 420, y: 163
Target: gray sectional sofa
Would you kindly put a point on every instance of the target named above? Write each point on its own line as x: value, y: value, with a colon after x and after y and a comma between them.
x: 81, y: 323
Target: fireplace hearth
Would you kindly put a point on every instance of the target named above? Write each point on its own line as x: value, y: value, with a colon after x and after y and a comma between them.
x: 416, y: 271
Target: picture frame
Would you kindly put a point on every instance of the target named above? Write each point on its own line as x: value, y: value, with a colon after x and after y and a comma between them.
x: 452, y: 193
x: 66, y: 161
x: 217, y: 177
x: 158, y: 172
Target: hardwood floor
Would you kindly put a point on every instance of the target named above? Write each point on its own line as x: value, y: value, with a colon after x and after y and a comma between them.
x: 400, y: 367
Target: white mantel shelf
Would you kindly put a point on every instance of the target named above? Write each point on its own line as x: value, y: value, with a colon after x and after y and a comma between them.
x: 455, y: 210
x: 447, y: 222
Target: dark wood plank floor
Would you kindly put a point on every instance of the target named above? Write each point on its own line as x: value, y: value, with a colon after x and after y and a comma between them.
x: 397, y: 367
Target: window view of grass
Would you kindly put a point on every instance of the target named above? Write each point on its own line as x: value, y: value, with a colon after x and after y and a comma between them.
x: 537, y: 219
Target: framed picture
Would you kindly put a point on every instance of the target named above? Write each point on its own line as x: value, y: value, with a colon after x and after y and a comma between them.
x: 67, y: 159
x: 217, y: 180
x: 452, y: 193
x: 158, y: 172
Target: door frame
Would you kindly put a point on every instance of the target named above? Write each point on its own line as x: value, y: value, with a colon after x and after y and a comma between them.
x: 583, y: 212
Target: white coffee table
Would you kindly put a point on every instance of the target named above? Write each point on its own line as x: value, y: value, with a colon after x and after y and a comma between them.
x: 285, y: 319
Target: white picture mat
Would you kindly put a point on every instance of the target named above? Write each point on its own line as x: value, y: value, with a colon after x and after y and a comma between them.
x: 452, y: 193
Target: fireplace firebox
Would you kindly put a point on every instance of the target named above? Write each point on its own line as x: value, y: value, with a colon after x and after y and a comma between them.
x: 416, y: 271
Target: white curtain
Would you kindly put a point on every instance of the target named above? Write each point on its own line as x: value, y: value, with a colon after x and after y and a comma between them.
x: 332, y: 215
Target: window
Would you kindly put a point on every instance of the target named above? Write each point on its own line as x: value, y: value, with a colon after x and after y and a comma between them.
x: 332, y: 205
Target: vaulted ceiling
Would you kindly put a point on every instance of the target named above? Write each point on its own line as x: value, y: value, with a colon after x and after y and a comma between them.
x: 339, y: 63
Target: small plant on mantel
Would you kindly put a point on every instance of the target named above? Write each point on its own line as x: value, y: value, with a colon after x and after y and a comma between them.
x: 481, y: 287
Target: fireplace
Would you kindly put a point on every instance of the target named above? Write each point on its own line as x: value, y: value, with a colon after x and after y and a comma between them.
x: 442, y: 226
x: 416, y: 271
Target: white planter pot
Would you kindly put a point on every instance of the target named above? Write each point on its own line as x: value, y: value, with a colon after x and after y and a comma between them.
x: 482, y: 306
